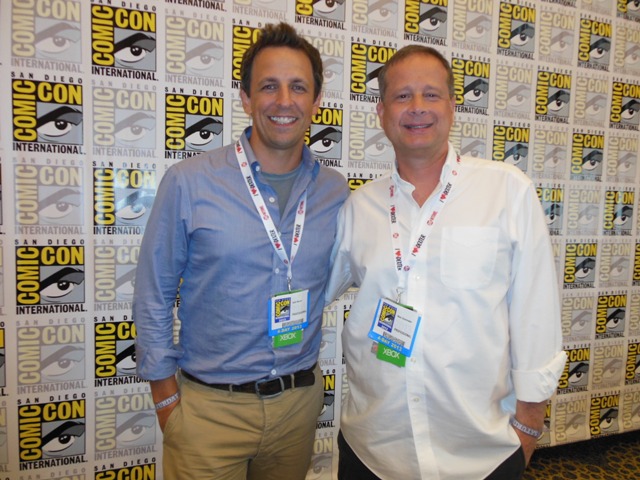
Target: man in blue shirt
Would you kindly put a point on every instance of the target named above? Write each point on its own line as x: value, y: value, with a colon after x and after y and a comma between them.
x: 245, y: 232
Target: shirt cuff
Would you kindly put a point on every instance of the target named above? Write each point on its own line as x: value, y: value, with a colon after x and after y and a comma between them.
x: 156, y: 363
x: 539, y: 385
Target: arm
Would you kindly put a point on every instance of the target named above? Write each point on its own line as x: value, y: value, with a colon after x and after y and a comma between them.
x: 161, y: 390
x: 340, y: 278
x: 531, y: 415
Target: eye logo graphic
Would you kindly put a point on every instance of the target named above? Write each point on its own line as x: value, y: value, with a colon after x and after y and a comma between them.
x: 115, y: 354
x: 580, y: 264
x: 556, y: 39
x: 325, y: 134
x: 516, y: 30
x: 194, y: 47
x: 193, y: 123
x: 472, y: 25
x: 321, y: 9
x: 603, y: 415
x: 575, y: 377
x: 618, y: 212
x: 366, y: 63
x: 425, y: 21
x: 328, y: 407
x: 594, y: 44
x: 471, y: 85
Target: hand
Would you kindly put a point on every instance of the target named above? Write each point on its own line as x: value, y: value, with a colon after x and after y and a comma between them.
x: 164, y: 413
x: 528, y: 444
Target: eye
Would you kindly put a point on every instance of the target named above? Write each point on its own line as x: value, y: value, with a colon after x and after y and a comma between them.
x: 134, y: 48
x: 328, y: 338
x: 599, y: 48
x: 432, y: 19
x: 126, y: 359
x: 377, y: 146
x: 61, y: 283
x: 622, y: 215
x: 372, y: 80
x: 558, y: 100
x: 58, y: 122
x: 518, y: 96
x: 516, y: 154
x: 555, y: 157
x: 475, y: 149
x: 202, y: 133
x: 587, y: 215
x: 478, y: 27
x: 125, y: 285
x: 619, y: 267
x: 592, y: 160
x: 382, y: 11
x: 633, y: 5
x: 632, y: 55
x: 62, y: 361
x: 595, y: 106
x: 630, y: 110
x: 325, y: 140
x: 332, y: 69
x: 574, y: 425
x: 60, y: 204
x: 320, y: 467
x: 203, y: 56
x: 561, y: 42
x: 134, y: 127
x: 62, y: 437
x: 626, y: 162
x: 579, y: 373
x: 553, y: 212
x: 476, y: 90
x: 612, y: 367
x: 326, y: 6
x: 584, y: 268
x: 580, y: 322
x: 135, y: 428
x: 135, y: 205
x: 607, y: 420
x: 57, y: 39
x: 615, y: 319
x: 521, y: 35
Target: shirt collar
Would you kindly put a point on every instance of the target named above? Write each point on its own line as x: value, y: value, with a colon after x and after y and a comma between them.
x: 449, y: 162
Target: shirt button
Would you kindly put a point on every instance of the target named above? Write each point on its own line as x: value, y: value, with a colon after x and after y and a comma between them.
x: 258, y: 168
x: 416, y: 399
x: 272, y: 200
x: 274, y: 371
x: 277, y: 270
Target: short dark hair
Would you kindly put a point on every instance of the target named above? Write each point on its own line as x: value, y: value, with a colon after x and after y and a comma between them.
x: 281, y: 35
x: 408, y: 51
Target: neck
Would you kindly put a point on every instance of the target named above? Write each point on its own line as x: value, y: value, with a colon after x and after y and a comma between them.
x: 275, y: 161
x: 423, y: 176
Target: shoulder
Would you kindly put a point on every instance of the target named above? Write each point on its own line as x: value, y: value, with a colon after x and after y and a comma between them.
x: 478, y: 167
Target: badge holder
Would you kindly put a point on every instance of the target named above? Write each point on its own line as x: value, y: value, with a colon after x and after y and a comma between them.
x: 288, y: 317
x: 394, y: 327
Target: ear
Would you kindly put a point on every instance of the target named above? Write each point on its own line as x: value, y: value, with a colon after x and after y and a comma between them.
x: 316, y: 104
x: 246, y: 102
x: 380, y: 109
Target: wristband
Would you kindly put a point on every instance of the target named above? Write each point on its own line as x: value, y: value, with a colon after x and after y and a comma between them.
x: 168, y: 401
x: 523, y: 428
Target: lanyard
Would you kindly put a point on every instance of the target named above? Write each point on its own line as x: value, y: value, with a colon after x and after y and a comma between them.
x: 404, y: 263
x: 267, y: 221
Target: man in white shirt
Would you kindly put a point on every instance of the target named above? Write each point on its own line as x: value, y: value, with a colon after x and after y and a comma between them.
x: 453, y: 343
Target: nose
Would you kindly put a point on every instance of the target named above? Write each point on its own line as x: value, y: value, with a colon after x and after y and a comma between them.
x: 418, y: 105
x: 284, y: 96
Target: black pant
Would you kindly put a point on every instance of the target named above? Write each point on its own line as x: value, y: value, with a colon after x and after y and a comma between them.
x: 351, y: 468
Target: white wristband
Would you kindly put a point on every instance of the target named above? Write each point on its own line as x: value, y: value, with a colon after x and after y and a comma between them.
x: 168, y: 401
x: 523, y: 428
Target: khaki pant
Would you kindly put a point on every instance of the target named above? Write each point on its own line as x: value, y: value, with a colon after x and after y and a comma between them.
x: 214, y: 434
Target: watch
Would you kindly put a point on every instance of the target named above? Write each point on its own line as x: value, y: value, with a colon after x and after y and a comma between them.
x: 523, y: 428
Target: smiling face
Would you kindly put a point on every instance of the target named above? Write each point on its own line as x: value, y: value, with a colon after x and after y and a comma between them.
x: 417, y: 109
x: 281, y: 103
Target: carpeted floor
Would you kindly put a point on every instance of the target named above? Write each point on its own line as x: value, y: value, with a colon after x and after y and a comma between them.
x: 616, y: 457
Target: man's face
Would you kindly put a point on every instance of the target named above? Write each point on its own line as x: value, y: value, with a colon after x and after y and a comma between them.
x: 417, y: 111
x: 281, y: 101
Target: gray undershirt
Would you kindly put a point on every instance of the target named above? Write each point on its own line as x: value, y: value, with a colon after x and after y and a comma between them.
x: 282, y: 184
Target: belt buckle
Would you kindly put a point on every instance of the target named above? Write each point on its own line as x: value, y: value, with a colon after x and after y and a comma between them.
x: 260, y: 382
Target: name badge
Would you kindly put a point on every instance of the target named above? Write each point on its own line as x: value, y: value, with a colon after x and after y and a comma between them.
x: 288, y: 316
x: 395, y: 326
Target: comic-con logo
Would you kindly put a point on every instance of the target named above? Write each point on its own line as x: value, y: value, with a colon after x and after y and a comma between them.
x: 327, y: 414
x: 366, y: 63
x: 332, y: 53
x: 355, y: 181
x: 114, y: 270
x: 553, y: 96
x: 513, y: 90
x: 469, y: 136
x: 115, y: 354
x: 610, y: 315
x: 550, y: 147
x: 194, y: 47
x: 552, y: 200
x: 622, y: 158
x: 123, y: 422
x: 139, y: 472
x: 51, y: 433
x: 47, y: 30
x: 632, y: 366
x: 511, y: 145
x: 243, y: 38
x: 626, y: 57
x: 628, y: 9
x: 322, y: 458
x: 583, y: 212
x: 631, y: 408
x: 122, y: 199
x: 556, y: 38
x: 607, y: 365
x: 49, y: 279
x: 587, y: 154
x: 324, y: 13
x: 193, y: 123
x: 472, y: 25
x: 48, y: 195
x: 625, y: 103
x: 125, y: 119
x: 570, y: 420
x: 580, y: 264
x: 425, y: 21
x: 123, y: 39
x: 374, y: 17
x: 618, y: 212
x: 577, y: 317
x: 325, y: 136
x: 516, y: 30
x: 603, y: 415
x: 368, y: 142
x: 46, y: 113
x: 575, y: 375
x: 51, y: 354
x: 635, y: 278
x: 591, y: 98
x: 594, y: 44
x: 471, y: 85
x: 615, y: 262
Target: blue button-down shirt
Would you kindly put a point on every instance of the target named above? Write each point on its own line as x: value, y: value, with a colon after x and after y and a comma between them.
x: 205, y: 230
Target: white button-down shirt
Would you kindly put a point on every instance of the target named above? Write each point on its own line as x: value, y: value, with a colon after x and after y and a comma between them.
x: 486, y: 287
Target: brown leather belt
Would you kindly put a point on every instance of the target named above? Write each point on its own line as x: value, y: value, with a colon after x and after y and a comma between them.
x: 265, y: 388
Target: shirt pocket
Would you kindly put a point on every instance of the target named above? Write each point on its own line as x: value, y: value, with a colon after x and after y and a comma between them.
x: 468, y: 256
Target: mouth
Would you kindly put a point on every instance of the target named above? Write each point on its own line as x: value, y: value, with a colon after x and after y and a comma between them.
x: 420, y: 126
x: 283, y: 120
